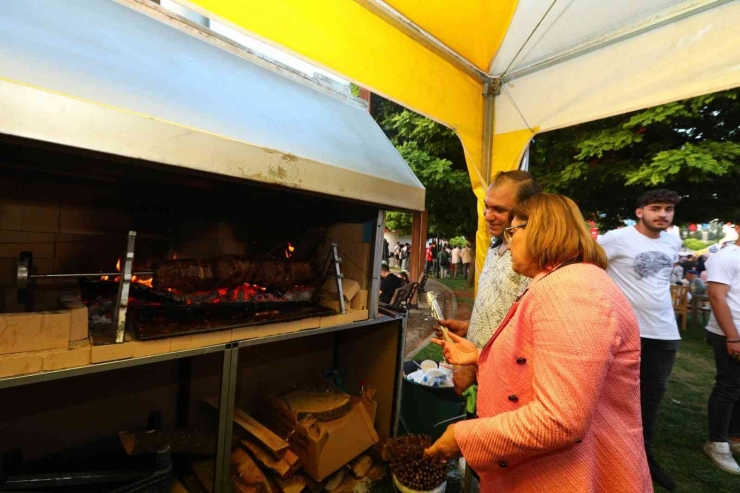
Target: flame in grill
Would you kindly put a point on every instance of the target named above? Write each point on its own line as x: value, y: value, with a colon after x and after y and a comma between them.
x: 135, y: 279
x: 289, y: 250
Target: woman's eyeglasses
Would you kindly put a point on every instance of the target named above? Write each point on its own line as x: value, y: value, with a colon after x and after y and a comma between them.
x: 509, y: 232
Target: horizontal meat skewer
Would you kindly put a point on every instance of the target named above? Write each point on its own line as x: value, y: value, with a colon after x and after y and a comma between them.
x: 231, y: 271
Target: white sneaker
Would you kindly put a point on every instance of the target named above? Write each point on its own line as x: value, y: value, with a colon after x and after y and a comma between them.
x: 720, y: 454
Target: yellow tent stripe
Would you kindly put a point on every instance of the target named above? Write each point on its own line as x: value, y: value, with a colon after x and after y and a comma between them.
x: 474, y: 28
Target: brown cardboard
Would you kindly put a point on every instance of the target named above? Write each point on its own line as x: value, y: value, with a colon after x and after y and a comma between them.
x: 349, y: 289
x: 359, y: 302
x: 358, y: 315
x: 23, y: 332
x: 78, y: 354
x: 324, y: 447
x: 20, y: 364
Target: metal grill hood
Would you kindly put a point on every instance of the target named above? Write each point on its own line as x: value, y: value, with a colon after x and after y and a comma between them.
x: 99, y: 75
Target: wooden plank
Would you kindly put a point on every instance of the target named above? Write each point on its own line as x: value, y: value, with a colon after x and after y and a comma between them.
x: 296, y: 484
x: 273, y: 443
x: 324, y: 406
x: 285, y: 467
x: 249, y: 474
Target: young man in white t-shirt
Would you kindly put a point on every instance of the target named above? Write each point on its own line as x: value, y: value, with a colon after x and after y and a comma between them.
x: 641, y: 259
x: 723, y: 276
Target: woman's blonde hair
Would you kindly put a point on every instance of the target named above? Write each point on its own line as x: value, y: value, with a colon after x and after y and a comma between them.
x: 556, y: 232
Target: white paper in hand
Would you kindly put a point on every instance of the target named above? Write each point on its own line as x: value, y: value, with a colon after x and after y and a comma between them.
x: 437, y: 314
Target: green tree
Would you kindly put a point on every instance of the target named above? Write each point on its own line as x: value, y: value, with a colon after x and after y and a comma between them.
x: 691, y: 146
x: 436, y: 156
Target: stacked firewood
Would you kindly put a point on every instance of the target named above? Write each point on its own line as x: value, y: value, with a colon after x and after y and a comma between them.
x: 262, y: 462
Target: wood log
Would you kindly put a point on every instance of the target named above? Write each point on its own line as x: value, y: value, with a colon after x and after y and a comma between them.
x: 204, y: 472
x: 296, y: 484
x: 180, y: 441
x: 178, y: 487
x: 284, y: 468
x: 269, y: 440
x: 361, y: 466
x: 324, y: 406
x: 249, y: 474
x: 192, y: 484
x: 335, y: 480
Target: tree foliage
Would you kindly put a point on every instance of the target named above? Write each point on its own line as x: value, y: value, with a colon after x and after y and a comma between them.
x: 691, y: 146
x: 694, y: 244
x: 436, y: 156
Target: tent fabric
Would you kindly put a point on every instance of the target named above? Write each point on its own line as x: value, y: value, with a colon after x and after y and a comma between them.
x: 343, y: 37
x: 140, y: 88
x: 697, y: 53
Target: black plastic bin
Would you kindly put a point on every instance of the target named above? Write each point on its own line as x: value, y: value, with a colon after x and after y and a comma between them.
x: 428, y: 410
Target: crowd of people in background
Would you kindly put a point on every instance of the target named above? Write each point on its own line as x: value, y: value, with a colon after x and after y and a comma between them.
x: 445, y: 261
x: 571, y: 344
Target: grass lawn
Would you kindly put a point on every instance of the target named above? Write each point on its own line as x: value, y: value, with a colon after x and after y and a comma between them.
x: 682, y: 429
x: 683, y: 417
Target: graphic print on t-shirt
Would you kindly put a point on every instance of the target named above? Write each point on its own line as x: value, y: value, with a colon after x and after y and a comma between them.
x: 651, y: 263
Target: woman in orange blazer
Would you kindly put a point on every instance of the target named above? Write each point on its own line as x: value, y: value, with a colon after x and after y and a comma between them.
x: 559, y: 395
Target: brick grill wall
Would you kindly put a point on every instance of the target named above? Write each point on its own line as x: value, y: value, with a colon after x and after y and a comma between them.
x: 72, y: 227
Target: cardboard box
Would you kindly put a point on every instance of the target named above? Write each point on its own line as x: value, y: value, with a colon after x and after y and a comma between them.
x: 359, y: 302
x: 324, y: 447
x: 349, y: 289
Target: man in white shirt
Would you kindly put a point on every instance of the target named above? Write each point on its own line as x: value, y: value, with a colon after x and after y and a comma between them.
x: 456, y: 262
x: 467, y: 257
x: 641, y: 259
x: 723, y: 275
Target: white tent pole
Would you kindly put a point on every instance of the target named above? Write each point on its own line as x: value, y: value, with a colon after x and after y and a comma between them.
x: 491, y: 89
x: 655, y: 21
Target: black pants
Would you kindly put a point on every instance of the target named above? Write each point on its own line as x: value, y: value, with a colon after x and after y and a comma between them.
x: 724, y: 401
x: 656, y: 365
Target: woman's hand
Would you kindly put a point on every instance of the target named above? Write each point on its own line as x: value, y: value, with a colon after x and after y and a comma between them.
x: 460, y: 352
x: 446, y: 447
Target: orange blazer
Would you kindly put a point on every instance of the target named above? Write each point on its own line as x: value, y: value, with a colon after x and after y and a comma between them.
x: 559, y: 392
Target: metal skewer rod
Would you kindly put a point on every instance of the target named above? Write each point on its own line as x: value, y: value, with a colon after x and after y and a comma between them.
x: 96, y: 274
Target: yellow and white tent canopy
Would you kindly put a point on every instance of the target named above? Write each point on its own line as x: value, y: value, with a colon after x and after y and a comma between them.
x: 557, y: 62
